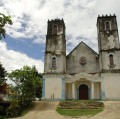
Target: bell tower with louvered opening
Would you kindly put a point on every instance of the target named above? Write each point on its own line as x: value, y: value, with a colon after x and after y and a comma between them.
x: 55, y: 52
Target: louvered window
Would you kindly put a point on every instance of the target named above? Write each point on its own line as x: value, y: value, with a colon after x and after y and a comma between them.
x: 53, y: 62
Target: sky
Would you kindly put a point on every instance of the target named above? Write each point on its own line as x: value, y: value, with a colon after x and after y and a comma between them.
x: 25, y: 40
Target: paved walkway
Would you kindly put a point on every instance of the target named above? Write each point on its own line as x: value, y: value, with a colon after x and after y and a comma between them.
x: 46, y: 110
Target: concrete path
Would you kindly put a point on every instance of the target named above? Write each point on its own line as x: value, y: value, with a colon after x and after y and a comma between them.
x: 46, y: 110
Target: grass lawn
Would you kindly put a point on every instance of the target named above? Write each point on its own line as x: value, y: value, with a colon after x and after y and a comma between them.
x: 80, y: 107
x: 80, y: 112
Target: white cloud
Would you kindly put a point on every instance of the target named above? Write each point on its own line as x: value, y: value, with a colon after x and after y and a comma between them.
x: 80, y: 16
x: 40, y: 39
x: 12, y: 60
x: 35, y: 14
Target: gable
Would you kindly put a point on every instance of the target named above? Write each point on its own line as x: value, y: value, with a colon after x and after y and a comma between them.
x: 80, y: 46
x: 75, y: 58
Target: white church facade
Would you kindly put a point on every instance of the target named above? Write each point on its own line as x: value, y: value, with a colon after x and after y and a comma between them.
x: 82, y: 74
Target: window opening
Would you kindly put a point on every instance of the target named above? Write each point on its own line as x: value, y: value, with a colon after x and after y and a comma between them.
x: 54, y: 30
x: 53, y: 62
x: 111, y: 59
x: 107, y: 25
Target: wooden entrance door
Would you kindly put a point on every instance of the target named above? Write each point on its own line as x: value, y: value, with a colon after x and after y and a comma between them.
x: 83, y: 92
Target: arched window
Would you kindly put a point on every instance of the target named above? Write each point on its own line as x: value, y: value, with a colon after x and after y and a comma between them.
x: 107, y: 25
x: 111, y: 59
x: 53, y: 62
x: 54, y: 29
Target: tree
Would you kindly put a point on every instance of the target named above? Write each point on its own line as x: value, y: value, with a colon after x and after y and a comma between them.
x: 27, y: 82
x: 2, y: 74
x: 3, y: 21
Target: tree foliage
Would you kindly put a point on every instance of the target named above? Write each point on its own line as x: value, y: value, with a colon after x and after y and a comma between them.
x: 2, y: 74
x: 27, y: 80
x: 28, y: 85
x: 3, y: 21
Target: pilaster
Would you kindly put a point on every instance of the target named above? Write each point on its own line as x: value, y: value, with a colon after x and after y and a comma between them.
x: 73, y: 90
x: 92, y: 90
x: 63, y: 88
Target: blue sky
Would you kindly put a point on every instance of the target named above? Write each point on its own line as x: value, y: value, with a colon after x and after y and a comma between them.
x: 25, y: 45
x: 25, y: 40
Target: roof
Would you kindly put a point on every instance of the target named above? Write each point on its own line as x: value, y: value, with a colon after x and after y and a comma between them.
x: 85, y: 45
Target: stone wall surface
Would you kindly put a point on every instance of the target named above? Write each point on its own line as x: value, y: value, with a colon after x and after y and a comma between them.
x: 74, y: 63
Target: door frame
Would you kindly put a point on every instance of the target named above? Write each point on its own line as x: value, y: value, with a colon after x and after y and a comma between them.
x: 77, y: 90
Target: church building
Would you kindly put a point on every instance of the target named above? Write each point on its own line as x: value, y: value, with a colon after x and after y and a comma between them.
x: 83, y: 74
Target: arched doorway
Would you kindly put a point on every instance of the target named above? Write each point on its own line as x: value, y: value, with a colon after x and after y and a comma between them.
x: 83, y: 92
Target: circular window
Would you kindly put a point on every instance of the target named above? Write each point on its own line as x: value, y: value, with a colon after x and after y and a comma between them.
x: 83, y: 60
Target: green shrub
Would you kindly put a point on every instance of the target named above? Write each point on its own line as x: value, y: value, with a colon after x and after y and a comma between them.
x: 13, y: 109
x: 1, y: 99
x: 1, y: 117
x: 1, y: 108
